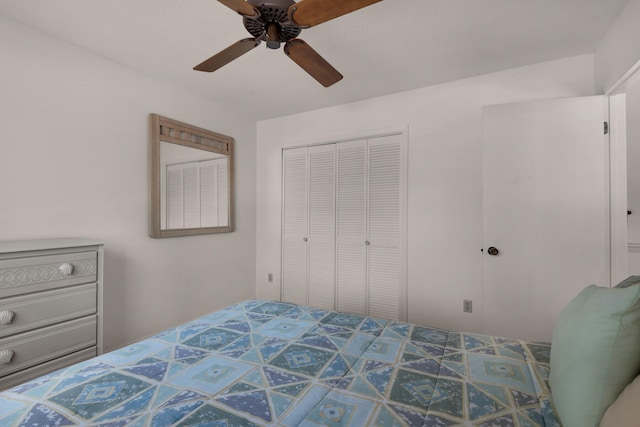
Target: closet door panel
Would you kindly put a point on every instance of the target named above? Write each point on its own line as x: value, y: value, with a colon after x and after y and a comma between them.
x: 384, y: 188
x: 321, y: 226
x: 351, y: 221
x: 321, y: 287
x: 351, y: 227
x: 294, y: 267
x: 322, y: 195
x: 385, y: 293
x: 384, y: 227
x: 351, y: 275
x: 294, y: 226
x: 294, y: 195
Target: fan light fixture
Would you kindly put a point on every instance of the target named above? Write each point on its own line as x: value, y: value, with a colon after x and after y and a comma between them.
x: 281, y: 21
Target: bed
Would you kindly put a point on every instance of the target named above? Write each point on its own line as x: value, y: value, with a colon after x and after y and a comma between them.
x: 273, y: 363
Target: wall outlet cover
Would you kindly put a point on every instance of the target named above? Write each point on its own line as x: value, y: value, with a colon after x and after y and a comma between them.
x: 467, y: 306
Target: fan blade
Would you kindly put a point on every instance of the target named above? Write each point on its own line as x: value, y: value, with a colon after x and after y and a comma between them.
x: 242, y: 7
x: 227, y: 55
x: 307, y: 13
x: 309, y: 60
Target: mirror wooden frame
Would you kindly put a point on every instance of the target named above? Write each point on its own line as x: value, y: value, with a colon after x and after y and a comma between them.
x: 175, y: 132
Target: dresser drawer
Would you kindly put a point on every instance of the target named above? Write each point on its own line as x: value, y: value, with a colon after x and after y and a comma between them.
x: 31, y: 311
x: 16, y: 378
x: 22, y: 351
x: 38, y: 273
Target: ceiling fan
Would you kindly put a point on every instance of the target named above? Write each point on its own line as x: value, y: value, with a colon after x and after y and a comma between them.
x: 281, y: 21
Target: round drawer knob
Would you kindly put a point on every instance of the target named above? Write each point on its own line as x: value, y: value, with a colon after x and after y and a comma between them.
x: 6, y: 356
x: 6, y: 316
x: 66, y: 269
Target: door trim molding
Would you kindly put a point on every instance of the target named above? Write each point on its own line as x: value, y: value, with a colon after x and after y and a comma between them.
x: 629, y: 78
x: 618, y: 188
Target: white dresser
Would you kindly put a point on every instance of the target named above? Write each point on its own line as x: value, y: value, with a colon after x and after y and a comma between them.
x: 50, y: 306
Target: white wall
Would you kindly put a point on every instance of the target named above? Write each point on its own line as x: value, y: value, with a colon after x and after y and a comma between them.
x: 619, y: 49
x: 73, y: 162
x: 445, y: 177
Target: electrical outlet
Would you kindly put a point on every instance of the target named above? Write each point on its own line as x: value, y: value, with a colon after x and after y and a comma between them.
x: 467, y: 306
x: 270, y: 278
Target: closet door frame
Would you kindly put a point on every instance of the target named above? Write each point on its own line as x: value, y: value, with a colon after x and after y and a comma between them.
x: 402, y: 132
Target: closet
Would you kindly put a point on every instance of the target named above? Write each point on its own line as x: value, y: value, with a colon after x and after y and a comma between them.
x: 343, y: 214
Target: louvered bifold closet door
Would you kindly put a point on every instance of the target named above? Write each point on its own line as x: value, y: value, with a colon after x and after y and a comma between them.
x: 309, y: 226
x: 321, y: 228
x: 385, y: 190
x: 351, y: 227
x: 294, y: 225
x: 343, y: 206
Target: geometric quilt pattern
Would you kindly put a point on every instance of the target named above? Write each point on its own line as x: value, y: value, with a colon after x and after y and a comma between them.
x: 266, y: 363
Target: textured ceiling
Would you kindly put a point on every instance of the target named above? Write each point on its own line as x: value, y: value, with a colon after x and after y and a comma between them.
x: 391, y: 46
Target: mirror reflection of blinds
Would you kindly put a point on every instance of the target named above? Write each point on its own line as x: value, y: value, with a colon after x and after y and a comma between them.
x: 191, y: 195
x: 223, y: 193
x: 208, y: 196
x: 174, y: 198
x: 197, y: 194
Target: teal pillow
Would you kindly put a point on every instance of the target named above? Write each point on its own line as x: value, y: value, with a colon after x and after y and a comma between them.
x: 595, y: 353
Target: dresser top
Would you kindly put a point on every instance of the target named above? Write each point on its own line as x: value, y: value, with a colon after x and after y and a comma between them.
x: 7, y: 246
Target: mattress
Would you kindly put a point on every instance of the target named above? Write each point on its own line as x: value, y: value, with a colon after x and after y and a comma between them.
x: 261, y: 363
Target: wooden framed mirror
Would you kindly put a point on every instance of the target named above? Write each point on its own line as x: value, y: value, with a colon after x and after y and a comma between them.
x: 190, y: 180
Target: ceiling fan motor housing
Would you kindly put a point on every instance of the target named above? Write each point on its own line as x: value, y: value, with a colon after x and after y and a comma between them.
x: 273, y: 24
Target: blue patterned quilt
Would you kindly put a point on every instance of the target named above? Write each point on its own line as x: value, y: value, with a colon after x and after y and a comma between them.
x: 262, y: 363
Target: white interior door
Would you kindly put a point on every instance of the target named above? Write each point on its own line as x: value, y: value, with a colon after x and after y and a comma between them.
x: 546, y: 207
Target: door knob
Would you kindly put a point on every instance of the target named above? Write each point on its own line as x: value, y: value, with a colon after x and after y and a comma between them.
x: 493, y: 251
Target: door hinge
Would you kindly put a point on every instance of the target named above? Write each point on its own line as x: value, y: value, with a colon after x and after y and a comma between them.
x: 606, y: 128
